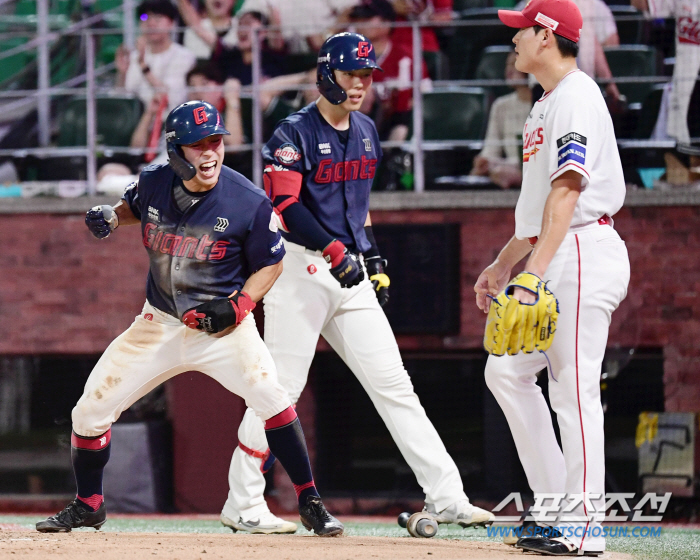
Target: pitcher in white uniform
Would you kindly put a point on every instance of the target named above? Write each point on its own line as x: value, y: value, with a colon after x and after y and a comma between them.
x: 572, y: 185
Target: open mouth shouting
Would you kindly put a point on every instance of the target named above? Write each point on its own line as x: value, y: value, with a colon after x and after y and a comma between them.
x: 208, y: 169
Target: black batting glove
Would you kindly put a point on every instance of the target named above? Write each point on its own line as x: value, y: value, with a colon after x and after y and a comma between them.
x: 220, y: 313
x: 380, y: 281
x: 101, y: 221
x: 345, y: 267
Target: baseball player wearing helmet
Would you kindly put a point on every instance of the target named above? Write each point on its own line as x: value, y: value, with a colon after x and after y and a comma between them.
x: 214, y: 251
x: 319, y: 166
x: 572, y: 184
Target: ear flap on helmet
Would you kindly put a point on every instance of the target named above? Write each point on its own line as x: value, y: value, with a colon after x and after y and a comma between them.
x: 182, y: 168
x: 327, y: 85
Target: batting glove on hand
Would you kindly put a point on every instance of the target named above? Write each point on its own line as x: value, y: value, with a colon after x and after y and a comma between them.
x: 220, y: 313
x: 345, y: 267
x: 101, y: 221
x: 380, y: 281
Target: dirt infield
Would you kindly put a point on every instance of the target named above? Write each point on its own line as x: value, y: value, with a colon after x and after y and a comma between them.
x: 123, y: 546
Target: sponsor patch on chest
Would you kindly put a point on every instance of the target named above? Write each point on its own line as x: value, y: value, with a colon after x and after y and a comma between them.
x: 153, y: 214
x: 324, y: 148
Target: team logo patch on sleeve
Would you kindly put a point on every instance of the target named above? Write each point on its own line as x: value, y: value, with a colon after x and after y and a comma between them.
x: 287, y: 154
x: 572, y: 147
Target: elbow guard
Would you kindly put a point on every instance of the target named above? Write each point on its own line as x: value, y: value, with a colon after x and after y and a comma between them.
x: 283, y: 188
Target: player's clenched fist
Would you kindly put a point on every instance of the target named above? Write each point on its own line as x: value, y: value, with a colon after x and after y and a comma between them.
x: 345, y: 267
x: 220, y: 313
x: 101, y: 220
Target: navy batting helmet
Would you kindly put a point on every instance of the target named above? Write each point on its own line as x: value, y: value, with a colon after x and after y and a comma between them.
x: 346, y: 52
x: 186, y: 124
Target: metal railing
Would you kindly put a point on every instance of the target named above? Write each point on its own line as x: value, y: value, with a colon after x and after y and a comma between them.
x: 85, y: 84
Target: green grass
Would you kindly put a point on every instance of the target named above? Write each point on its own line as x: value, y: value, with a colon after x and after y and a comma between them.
x: 673, y: 544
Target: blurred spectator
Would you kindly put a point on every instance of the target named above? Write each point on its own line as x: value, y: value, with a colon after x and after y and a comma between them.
x: 390, y: 101
x: 423, y: 11
x: 204, y: 82
x: 605, y: 26
x: 157, y: 65
x: 591, y: 57
x: 237, y: 62
x: 683, y: 112
x: 501, y: 158
x: 304, y: 24
x: 202, y: 32
x: 148, y: 133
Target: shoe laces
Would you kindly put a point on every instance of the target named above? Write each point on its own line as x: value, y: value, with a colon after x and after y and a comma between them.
x: 72, y: 511
x: 316, y: 505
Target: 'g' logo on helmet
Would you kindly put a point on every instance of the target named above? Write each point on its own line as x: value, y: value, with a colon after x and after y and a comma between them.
x: 200, y: 115
x: 363, y: 49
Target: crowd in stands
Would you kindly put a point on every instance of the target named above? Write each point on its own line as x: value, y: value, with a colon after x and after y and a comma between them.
x: 212, y: 59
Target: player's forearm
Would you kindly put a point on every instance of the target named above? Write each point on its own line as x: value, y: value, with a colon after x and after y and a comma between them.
x: 124, y: 214
x: 512, y: 253
x: 260, y: 282
x: 303, y: 224
x: 139, y: 138
x: 234, y: 124
x: 556, y: 220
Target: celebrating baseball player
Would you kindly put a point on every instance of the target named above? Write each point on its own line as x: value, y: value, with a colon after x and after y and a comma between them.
x: 556, y: 314
x: 214, y: 251
x: 319, y: 166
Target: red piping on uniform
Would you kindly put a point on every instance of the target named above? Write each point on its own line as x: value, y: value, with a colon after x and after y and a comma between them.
x: 287, y: 416
x: 578, y: 395
x: 566, y: 165
x: 546, y: 95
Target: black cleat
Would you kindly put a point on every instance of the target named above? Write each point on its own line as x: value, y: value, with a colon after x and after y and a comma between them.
x: 552, y: 546
x: 316, y: 518
x: 526, y: 529
x: 73, y: 516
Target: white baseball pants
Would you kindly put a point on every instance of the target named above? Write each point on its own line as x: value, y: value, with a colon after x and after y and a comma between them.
x: 307, y: 301
x: 157, y: 347
x: 589, y: 276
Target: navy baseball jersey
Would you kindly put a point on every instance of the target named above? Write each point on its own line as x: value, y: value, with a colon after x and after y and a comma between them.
x: 211, y: 248
x: 337, y: 175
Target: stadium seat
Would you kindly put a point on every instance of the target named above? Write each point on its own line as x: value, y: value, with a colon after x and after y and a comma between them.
x: 650, y: 112
x: 631, y: 61
x: 467, y: 42
x: 630, y: 22
x: 294, y: 63
x: 492, y: 66
x: 108, y: 45
x: 117, y: 118
x: 28, y: 7
x: 461, y: 5
x: 104, y: 5
x: 457, y: 114
x: 437, y: 64
x: 15, y: 63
